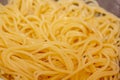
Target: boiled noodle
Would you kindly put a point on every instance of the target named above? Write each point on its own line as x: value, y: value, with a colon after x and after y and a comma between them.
x: 58, y: 40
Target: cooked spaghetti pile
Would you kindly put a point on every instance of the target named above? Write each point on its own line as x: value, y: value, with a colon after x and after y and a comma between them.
x: 58, y: 40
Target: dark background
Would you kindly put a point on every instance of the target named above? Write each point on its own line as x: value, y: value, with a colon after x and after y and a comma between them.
x: 3, y: 1
x: 111, y: 5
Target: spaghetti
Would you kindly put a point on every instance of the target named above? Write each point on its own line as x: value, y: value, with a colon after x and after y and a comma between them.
x: 58, y: 40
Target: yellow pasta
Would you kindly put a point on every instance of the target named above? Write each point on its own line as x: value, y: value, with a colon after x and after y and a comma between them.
x: 58, y: 40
